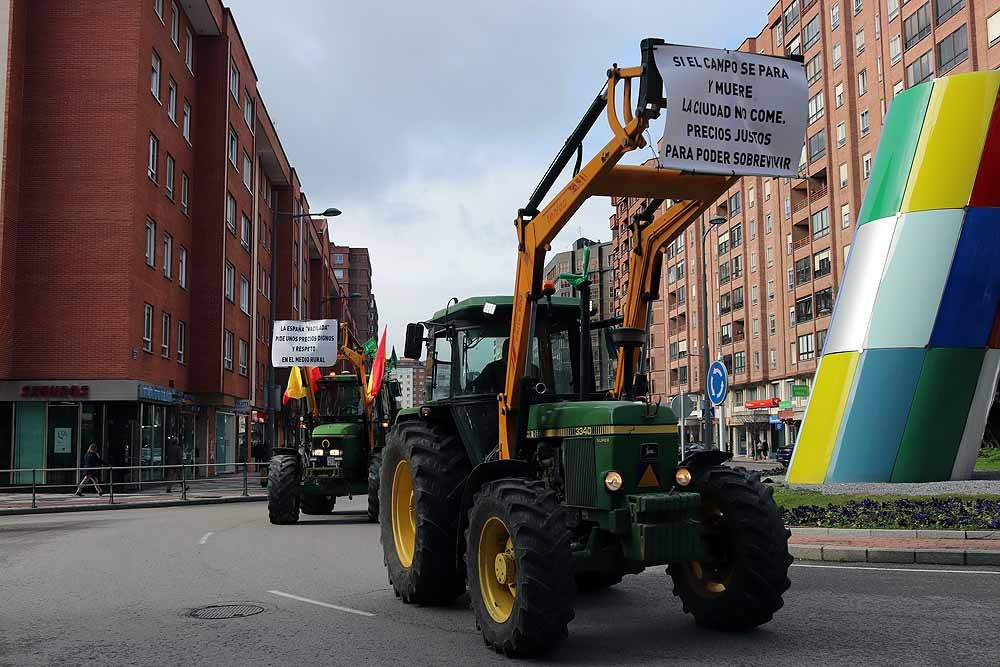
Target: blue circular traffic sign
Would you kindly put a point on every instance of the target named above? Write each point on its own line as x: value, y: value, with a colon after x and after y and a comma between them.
x: 718, y: 382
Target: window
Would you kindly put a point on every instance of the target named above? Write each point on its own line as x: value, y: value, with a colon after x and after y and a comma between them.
x: 154, y: 157
x: 182, y: 266
x: 859, y: 41
x: 878, y: 26
x: 234, y: 80
x: 740, y: 362
x: 175, y: 25
x: 820, y: 224
x: 810, y: 33
x: 917, y: 26
x: 189, y: 50
x: 186, y: 122
x: 824, y: 302
x: 233, y: 147
x: 230, y: 281
x: 769, y: 255
x: 767, y: 224
x: 150, y: 242
x: 154, y: 76
x: 247, y: 172
x: 165, y: 335
x: 895, y: 49
x: 838, y: 55
x: 791, y: 15
x: 893, y: 7
x: 847, y: 253
x: 767, y: 190
x: 821, y: 263
x: 735, y: 204
x: 866, y: 165
x: 897, y: 88
x: 338, y: 259
x: 817, y: 145
x: 791, y: 318
x: 736, y: 236
x: 788, y: 206
x: 753, y: 229
x: 737, y: 298
x: 791, y: 279
x: 858, y: 6
x: 835, y: 15
x: 919, y: 70
x: 244, y: 295
x: 843, y: 175
x: 804, y: 309
x: 172, y: 100
x: 185, y: 186
x: 181, y: 340
x: 753, y: 294
x: 753, y: 261
x: 820, y: 339
x: 770, y: 290
x: 170, y: 178
x: 814, y: 68
x: 774, y: 359
x: 945, y: 9
x: 755, y: 327
x: 230, y: 213
x: 802, y: 271
x: 838, y: 95
x: 953, y: 50
x: 772, y: 324
x: 806, y: 350
x: 788, y: 244
x: 756, y: 361
x: 841, y: 134
x: 248, y: 109
x: 751, y: 199
x: 866, y: 123
x: 993, y: 28
x: 147, y: 328
x: 244, y: 356
x: 815, y: 107
x: 845, y: 216
x: 158, y: 8
x: 778, y: 34
x: 245, y: 232
x: 227, y: 350
x: 168, y: 254
x: 862, y: 82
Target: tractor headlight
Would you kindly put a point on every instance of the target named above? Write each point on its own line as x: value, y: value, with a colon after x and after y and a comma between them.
x: 317, y: 452
x: 612, y: 480
x: 336, y: 452
x: 682, y: 476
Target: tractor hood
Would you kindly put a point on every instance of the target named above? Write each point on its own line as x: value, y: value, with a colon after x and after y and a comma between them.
x: 598, y: 418
x: 337, y: 430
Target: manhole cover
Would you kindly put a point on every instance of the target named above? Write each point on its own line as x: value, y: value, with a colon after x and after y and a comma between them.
x: 227, y: 611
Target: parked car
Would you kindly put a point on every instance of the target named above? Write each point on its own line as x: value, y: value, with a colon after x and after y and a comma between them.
x: 784, y: 454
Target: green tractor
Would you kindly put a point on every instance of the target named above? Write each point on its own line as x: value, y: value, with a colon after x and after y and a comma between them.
x: 520, y: 482
x: 342, y: 457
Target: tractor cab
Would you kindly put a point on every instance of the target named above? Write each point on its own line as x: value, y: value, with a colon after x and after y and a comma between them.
x: 339, y: 442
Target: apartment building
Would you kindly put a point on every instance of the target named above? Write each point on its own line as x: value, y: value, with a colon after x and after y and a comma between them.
x: 778, y: 257
x: 141, y: 180
x: 412, y: 376
x: 353, y: 270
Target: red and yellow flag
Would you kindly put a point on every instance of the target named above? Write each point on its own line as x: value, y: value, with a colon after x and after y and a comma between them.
x: 295, y: 387
x: 378, y: 368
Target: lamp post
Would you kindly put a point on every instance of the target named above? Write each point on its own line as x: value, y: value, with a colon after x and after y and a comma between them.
x: 271, y: 399
x: 706, y: 424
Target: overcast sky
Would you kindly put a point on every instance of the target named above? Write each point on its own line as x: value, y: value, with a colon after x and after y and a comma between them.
x: 429, y: 123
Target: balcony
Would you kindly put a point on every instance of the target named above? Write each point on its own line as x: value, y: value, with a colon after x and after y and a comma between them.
x: 801, y: 242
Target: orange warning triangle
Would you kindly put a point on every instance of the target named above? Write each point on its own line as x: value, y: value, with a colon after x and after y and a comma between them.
x: 649, y: 477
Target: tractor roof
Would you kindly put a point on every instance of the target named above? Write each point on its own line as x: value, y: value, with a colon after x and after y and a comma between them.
x: 472, y: 308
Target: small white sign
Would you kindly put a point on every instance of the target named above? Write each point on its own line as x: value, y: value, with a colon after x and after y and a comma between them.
x: 732, y: 113
x: 304, y: 343
x: 63, y: 441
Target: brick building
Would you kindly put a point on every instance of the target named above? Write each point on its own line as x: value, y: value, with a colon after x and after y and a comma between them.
x: 777, y: 261
x: 353, y: 269
x: 140, y: 177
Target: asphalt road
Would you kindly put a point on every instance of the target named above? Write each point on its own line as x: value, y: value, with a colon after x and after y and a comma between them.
x: 116, y: 588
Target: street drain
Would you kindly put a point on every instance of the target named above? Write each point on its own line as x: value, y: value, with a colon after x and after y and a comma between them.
x: 221, y: 611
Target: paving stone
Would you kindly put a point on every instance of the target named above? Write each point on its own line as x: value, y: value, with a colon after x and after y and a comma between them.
x: 976, y: 557
x: 891, y: 556
x: 806, y: 551
x: 845, y: 554
x: 941, y: 534
x: 940, y: 556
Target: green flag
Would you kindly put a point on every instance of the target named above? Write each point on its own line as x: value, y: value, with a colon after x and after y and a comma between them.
x: 577, y: 279
x: 391, y: 365
x: 370, y: 347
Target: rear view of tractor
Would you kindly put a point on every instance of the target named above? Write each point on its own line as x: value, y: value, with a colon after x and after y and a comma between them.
x: 522, y: 483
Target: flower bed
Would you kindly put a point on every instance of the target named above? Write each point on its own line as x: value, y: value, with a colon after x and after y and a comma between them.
x: 954, y: 513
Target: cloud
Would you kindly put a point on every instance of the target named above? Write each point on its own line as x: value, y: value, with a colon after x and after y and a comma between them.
x: 429, y: 124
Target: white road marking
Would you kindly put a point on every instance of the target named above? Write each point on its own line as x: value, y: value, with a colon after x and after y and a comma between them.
x: 204, y: 538
x: 323, y: 604
x: 894, y: 569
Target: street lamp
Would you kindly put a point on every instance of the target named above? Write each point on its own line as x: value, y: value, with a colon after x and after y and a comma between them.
x: 706, y: 425
x: 271, y: 402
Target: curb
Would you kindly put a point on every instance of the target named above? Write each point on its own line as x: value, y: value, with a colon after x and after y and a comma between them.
x: 838, y: 554
x: 900, y: 534
x: 128, y: 506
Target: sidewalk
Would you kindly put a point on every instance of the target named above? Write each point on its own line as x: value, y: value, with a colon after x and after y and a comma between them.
x: 940, y: 547
x: 45, y: 503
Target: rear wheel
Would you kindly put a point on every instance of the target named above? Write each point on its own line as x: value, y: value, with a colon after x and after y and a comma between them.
x: 317, y: 504
x: 421, y: 465
x: 374, y: 469
x: 520, y: 569
x: 283, y: 489
x: 740, y: 583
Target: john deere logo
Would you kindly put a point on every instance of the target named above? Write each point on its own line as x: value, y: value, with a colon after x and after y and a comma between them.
x: 649, y: 451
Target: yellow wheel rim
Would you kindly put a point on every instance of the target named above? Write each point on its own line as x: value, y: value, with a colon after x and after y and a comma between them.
x: 497, y: 569
x: 707, y: 580
x: 404, y: 516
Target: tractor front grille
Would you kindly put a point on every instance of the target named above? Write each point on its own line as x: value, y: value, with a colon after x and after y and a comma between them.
x: 580, y: 472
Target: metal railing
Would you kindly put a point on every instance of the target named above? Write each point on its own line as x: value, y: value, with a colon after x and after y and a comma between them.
x: 120, y: 484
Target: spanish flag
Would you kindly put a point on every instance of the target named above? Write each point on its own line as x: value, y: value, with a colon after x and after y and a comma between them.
x: 295, y: 387
x: 378, y: 368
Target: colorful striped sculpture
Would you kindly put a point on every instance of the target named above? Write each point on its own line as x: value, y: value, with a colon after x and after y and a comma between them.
x: 912, y: 355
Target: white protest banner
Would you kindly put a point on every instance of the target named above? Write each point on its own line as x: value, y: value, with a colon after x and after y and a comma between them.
x: 304, y: 343
x: 732, y: 113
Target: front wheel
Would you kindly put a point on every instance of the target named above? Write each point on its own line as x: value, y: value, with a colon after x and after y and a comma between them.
x: 283, y: 489
x: 374, y: 470
x: 739, y: 584
x: 520, y: 568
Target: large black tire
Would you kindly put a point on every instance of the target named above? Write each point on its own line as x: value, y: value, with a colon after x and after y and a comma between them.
x: 437, y: 464
x: 374, y: 470
x: 317, y: 504
x: 283, y: 477
x: 740, y: 584
x: 536, y: 532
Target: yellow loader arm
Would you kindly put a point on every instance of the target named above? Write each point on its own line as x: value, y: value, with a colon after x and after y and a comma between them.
x: 350, y: 350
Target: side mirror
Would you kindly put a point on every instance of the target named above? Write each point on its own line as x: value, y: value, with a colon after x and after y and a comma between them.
x: 414, y: 346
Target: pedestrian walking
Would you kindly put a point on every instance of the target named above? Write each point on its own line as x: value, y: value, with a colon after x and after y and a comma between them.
x: 175, y: 458
x: 92, y: 463
x: 763, y: 450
